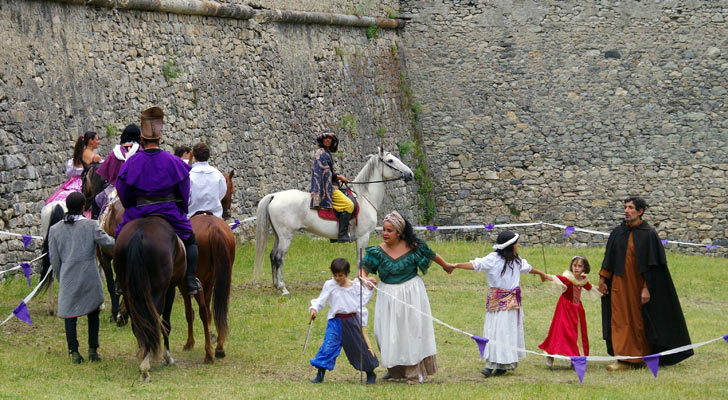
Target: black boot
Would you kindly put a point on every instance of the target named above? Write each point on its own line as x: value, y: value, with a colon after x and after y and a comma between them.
x: 371, y: 377
x: 344, y: 218
x: 319, y: 376
x: 193, y: 285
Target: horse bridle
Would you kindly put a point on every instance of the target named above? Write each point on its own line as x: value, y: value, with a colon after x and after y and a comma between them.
x: 383, y: 180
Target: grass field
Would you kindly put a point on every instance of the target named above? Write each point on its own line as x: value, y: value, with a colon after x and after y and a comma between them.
x: 264, y: 358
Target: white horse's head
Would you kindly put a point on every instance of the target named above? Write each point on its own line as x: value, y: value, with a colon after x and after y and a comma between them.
x: 393, y: 167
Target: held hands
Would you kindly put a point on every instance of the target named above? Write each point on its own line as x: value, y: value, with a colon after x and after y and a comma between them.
x: 605, y: 291
x: 645, y: 297
x: 544, y: 276
x: 449, y: 268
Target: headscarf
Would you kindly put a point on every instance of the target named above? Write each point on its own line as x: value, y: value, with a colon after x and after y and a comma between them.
x: 396, y: 220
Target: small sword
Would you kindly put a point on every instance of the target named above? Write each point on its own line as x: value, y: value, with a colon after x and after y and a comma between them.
x: 308, y: 335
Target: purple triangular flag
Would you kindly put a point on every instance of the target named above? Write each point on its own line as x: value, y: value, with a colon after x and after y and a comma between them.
x: 490, y: 227
x: 26, y: 241
x: 569, y: 230
x: 481, y: 341
x: 710, y: 247
x: 235, y: 225
x: 725, y: 337
x: 26, y: 271
x: 21, y: 311
x: 579, y: 363
x: 653, y: 363
x: 664, y: 241
x: 431, y: 228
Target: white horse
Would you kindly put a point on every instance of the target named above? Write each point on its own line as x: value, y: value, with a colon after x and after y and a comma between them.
x: 49, y: 215
x: 288, y: 211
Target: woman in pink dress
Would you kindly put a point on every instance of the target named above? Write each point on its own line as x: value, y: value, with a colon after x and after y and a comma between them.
x: 83, y: 156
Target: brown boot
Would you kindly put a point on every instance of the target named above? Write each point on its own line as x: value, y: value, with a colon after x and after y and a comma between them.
x: 618, y: 366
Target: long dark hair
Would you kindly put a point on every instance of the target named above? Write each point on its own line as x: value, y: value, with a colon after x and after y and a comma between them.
x: 80, y: 145
x: 408, y: 235
x: 508, y: 254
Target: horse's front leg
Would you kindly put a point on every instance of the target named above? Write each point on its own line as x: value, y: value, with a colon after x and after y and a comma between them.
x: 190, y: 317
x: 205, y: 317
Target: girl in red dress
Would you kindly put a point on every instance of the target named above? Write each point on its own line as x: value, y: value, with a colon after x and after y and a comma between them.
x: 567, y: 335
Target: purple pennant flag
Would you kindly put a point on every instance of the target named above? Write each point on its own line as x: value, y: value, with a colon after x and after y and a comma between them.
x: 664, y: 241
x: 710, y: 247
x: 579, y: 363
x: 26, y: 271
x: 21, y: 311
x: 235, y: 225
x: 490, y: 227
x: 653, y: 363
x: 431, y: 228
x: 569, y: 230
x: 725, y: 337
x: 26, y: 241
x: 481, y: 341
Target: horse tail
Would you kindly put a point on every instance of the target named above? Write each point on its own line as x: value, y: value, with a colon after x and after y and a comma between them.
x: 56, y: 215
x: 261, y: 233
x: 145, y: 319
x: 222, y: 267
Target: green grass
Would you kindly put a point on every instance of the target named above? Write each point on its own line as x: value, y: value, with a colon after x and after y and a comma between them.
x: 264, y: 357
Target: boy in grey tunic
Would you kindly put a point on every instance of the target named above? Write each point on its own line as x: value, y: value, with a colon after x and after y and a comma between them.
x: 72, y: 250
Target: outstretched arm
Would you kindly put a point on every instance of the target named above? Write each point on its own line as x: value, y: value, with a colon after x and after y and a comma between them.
x: 465, y: 265
x: 544, y: 277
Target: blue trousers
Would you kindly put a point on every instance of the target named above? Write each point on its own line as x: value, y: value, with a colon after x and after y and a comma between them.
x: 344, y: 332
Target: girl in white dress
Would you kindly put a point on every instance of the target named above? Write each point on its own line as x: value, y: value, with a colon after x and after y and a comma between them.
x: 504, y: 315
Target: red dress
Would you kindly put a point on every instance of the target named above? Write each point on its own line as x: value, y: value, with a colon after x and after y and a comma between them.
x: 567, y: 335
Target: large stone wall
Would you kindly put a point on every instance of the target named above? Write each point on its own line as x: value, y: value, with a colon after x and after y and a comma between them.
x: 258, y: 93
x: 557, y: 110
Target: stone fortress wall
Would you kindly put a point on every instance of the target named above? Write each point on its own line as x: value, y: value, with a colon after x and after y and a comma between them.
x: 527, y: 110
x: 257, y: 93
x: 555, y: 111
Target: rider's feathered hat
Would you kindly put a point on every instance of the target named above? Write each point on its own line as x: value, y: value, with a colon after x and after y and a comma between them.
x: 152, y: 123
x: 334, y: 140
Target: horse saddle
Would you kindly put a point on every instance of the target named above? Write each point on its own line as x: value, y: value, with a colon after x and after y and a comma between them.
x: 330, y: 214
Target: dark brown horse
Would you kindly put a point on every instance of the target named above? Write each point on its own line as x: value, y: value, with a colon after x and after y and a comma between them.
x: 149, y: 261
x: 216, y: 244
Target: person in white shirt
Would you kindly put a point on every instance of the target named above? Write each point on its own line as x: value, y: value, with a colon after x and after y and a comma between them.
x: 207, y: 184
x: 343, y: 328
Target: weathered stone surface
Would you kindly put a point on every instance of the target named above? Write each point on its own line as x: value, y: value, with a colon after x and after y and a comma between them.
x: 587, y: 104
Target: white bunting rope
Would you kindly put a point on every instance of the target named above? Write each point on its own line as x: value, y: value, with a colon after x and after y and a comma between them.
x: 30, y: 295
x: 19, y: 235
x: 588, y: 358
x: 20, y: 266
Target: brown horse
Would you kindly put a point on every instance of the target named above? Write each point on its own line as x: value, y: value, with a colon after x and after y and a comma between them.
x: 227, y: 201
x: 216, y: 244
x: 149, y: 260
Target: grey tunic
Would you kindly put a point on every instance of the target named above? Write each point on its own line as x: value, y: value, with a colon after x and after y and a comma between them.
x: 72, y: 250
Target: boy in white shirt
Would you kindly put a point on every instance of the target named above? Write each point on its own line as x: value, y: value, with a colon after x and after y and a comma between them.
x: 207, y: 184
x: 343, y: 328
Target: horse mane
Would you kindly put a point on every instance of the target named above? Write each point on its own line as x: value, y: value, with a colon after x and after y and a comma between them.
x: 365, y: 175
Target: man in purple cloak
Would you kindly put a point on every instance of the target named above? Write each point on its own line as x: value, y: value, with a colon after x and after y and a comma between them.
x: 156, y: 182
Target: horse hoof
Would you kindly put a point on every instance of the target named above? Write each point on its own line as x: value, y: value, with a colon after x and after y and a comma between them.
x: 112, y: 319
x: 146, y: 378
x: 219, y: 354
x: 169, y: 362
x: 285, y: 293
x: 188, y: 347
x: 213, y: 338
x: 209, y: 360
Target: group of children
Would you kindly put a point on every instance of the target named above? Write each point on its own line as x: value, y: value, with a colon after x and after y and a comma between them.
x: 503, y: 319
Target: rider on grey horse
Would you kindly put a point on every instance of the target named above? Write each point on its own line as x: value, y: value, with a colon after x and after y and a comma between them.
x: 323, y: 194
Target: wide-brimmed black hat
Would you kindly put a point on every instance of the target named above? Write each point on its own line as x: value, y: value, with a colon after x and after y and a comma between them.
x: 334, y: 140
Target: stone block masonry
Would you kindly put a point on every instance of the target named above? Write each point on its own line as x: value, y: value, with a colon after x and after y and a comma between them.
x: 256, y: 92
x: 557, y: 110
